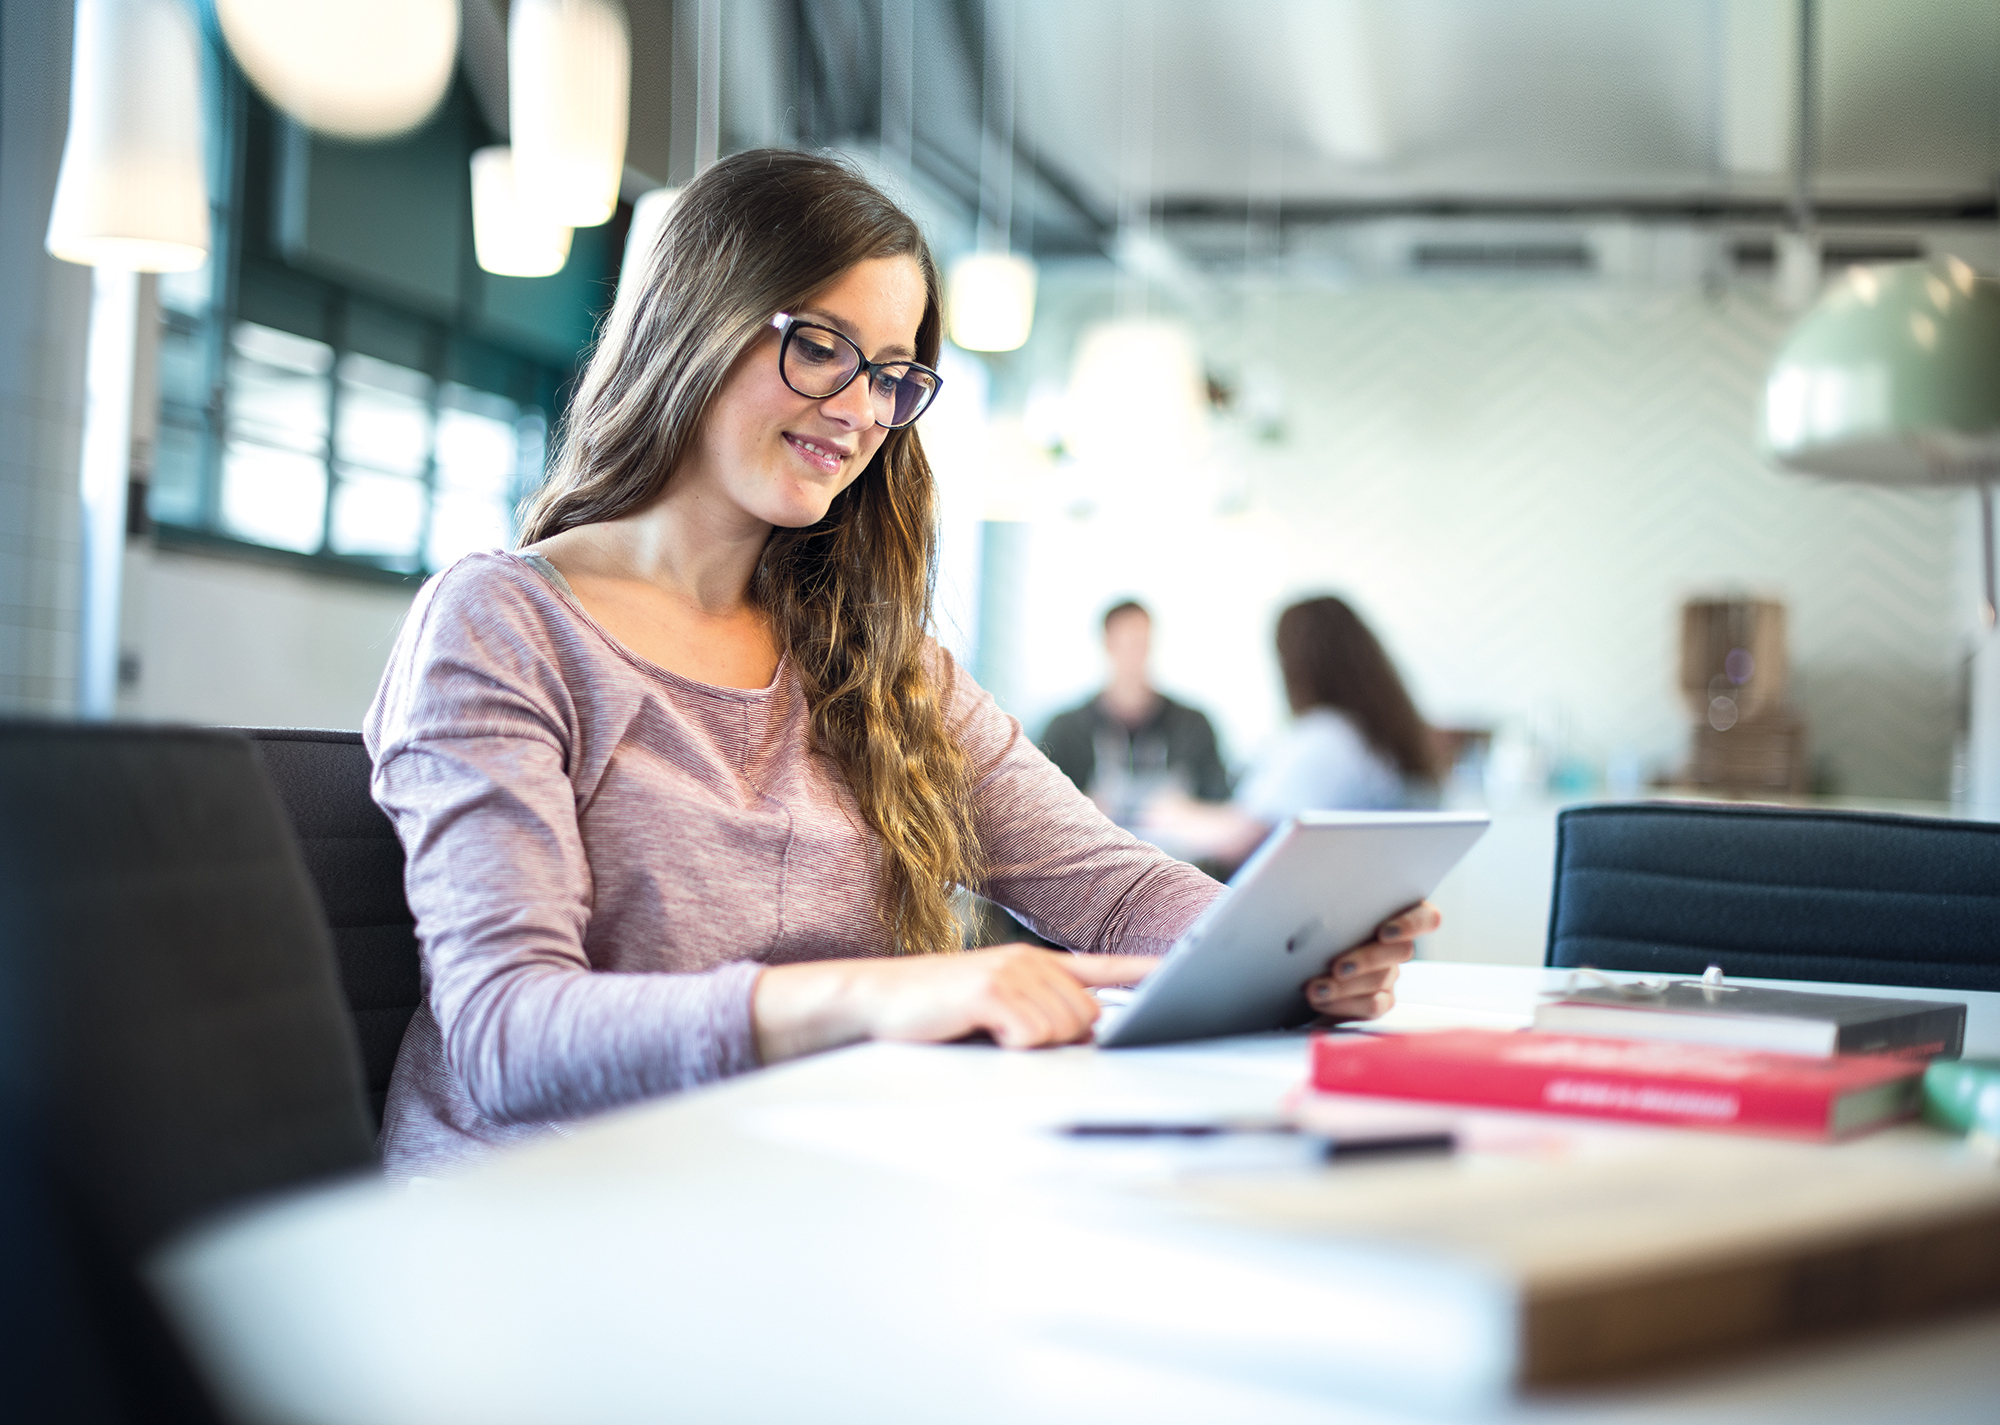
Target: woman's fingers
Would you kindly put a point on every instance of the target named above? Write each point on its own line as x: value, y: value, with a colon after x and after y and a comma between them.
x: 1394, y: 942
x: 1367, y: 1007
x: 1030, y: 998
x: 1420, y: 919
x: 1109, y: 969
x: 1358, y: 996
x: 1036, y: 1014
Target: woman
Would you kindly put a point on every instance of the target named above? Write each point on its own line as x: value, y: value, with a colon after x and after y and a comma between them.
x: 684, y: 785
x: 1356, y: 742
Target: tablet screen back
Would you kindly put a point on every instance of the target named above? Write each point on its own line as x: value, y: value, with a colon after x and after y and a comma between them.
x: 1319, y: 884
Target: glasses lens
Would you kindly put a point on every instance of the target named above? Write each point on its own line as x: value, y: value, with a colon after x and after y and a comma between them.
x: 901, y: 393
x: 818, y: 362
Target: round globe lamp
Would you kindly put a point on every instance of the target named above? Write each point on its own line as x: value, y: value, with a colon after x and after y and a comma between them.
x: 355, y: 69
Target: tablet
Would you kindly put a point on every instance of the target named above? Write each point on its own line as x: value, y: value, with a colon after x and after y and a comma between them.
x: 1319, y: 884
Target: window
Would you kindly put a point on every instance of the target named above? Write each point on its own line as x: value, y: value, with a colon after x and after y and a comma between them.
x: 303, y: 415
x: 337, y: 452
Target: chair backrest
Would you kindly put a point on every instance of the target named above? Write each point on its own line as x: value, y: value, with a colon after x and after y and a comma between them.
x: 154, y: 910
x: 355, y: 860
x: 1775, y: 893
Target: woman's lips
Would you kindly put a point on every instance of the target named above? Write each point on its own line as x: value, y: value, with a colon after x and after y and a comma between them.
x: 826, y: 458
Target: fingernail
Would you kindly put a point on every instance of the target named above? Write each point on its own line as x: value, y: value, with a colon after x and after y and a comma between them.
x: 1320, y: 992
x: 1392, y: 931
x: 1345, y: 969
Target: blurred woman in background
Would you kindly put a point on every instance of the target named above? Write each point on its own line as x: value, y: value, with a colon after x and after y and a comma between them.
x: 1356, y: 742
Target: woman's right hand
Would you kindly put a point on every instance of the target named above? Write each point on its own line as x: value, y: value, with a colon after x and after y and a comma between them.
x: 1024, y: 996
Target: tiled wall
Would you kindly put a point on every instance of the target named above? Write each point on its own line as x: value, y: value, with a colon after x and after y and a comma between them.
x: 44, y: 312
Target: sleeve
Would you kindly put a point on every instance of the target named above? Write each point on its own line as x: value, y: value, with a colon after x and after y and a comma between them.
x: 1052, y: 857
x: 476, y: 739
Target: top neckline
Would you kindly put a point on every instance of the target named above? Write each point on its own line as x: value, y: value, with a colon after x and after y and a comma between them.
x: 553, y: 577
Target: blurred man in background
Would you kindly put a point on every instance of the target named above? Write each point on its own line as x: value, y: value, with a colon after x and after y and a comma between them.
x: 1131, y: 742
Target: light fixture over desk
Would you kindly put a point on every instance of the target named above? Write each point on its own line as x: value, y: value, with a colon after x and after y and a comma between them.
x: 1893, y: 378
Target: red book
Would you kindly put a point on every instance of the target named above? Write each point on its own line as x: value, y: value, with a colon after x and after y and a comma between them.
x: 1688, y: 1085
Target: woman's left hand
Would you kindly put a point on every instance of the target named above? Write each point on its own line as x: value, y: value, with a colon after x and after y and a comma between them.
x: 1360, y: 983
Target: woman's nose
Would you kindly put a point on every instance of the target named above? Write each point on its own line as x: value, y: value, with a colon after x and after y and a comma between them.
x: 851, y: 405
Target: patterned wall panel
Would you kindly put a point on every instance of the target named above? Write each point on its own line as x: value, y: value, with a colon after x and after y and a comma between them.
x: 1518, y: 486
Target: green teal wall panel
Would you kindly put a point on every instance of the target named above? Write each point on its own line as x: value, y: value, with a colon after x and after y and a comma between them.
x: 554, y: 317
x: 390, y: 218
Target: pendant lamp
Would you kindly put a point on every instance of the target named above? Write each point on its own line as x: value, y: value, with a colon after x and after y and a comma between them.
x: 1894, y: 379
x: 132, y: 192
x: 992, y: 301
x: 649, y: 215
x: 569, y: 83
x: 513, y: 234
x: 355, y: 69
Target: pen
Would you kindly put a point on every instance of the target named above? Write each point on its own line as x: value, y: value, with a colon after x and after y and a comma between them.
x: 1345, y: 1145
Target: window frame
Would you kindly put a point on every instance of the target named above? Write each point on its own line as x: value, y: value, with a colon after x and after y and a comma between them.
x: 450, y: 354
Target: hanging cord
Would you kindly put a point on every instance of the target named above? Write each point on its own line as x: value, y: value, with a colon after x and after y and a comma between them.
x: 996, y: 148
x: 1135, y: 158
x: 1804, y: 155
x: 707, y: 83
x: 898, y: 120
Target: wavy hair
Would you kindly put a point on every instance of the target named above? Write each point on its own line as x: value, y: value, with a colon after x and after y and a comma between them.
x: 849, y: 598
x: 1330, y: 659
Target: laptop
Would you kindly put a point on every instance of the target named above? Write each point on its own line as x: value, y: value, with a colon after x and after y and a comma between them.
x: 1320, y: 884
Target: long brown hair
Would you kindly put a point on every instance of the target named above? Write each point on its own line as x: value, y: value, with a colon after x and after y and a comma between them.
x: 1331, y: 660
x: 849, y: 598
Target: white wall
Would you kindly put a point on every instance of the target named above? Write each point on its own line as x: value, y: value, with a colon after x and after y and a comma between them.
x: 223, y: 640
x: 1517, y: 485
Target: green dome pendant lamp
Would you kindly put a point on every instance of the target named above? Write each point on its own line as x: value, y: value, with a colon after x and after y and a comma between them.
x: 1893, y: 378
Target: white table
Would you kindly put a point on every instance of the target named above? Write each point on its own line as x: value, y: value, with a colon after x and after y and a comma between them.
x: 884, y: 1234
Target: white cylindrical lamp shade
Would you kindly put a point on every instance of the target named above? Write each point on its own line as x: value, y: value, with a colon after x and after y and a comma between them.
x: 569, y: 84
x: 512, y: 232
x: 649, y: 215
x: 991, y: 300
x: 356, y: 69
x: 132, y: 192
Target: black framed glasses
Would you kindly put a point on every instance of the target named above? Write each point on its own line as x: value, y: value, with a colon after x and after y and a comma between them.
x: 818, y: 362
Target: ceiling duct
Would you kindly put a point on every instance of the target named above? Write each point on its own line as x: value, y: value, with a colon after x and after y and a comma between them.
x: 1758, y: 256
x: 1509, y: 257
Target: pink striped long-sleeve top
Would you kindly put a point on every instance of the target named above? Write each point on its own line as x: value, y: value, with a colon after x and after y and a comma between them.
x: 603, y: 855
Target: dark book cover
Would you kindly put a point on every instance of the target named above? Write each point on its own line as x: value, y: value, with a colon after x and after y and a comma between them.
x: 1789, y: 1021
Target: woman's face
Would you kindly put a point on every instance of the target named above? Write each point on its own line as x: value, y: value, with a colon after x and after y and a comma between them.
x: 779, y: 457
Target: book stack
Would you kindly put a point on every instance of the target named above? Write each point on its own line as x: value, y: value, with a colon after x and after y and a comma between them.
x: 1683, y: 1085
x: 1692, y: 1053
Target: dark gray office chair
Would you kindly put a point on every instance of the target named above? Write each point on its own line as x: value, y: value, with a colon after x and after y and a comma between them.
x: 356, y: 863
x: 1774, y: 893
x: 176, y: 1041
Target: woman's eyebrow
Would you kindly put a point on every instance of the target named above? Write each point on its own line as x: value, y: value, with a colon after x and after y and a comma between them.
x: 841, y: 324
